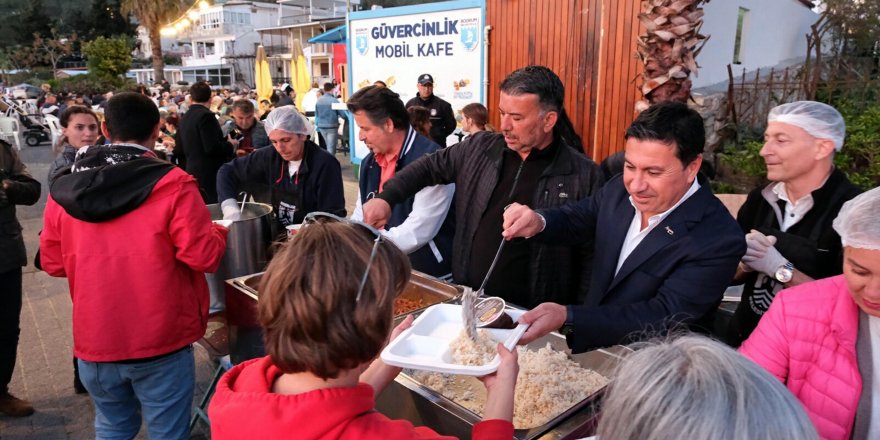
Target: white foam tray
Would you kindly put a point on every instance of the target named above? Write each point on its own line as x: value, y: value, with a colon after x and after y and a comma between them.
x: 425, y: 345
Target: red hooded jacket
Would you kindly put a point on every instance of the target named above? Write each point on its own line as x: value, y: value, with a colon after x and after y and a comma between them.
x: 136, y: 263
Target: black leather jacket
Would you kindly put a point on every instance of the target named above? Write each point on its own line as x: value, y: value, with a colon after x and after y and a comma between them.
x: 559, y: 273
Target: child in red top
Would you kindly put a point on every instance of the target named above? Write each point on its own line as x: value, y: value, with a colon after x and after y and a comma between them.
x: 326, y: 308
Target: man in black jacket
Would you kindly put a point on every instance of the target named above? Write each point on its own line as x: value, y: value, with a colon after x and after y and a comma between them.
x: 17, y: 187
x: 530, y: 161
x: 421, y: 225
x: 442, y: 117
x: 788, y: 221
x: 666, y: 247
x: 199, y: 140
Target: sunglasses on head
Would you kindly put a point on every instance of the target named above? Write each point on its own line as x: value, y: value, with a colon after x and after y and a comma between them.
x: 326, y: 217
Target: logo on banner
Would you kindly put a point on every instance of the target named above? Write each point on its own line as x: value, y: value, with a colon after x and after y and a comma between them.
x: 469, y: 35
x: 361, y: 44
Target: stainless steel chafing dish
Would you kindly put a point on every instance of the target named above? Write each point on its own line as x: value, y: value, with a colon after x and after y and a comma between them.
x: 406, y: 398
x: 242, y: 294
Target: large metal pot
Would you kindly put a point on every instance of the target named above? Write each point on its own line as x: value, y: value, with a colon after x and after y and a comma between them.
x: 247, y: 248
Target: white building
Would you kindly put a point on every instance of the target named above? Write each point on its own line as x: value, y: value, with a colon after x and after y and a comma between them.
x: 217, y: 42
x: 305, y: 19
x: 750, y: 35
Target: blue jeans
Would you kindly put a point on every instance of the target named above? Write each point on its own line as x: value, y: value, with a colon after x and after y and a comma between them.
x: 330, y: 136
x: 161, y: 388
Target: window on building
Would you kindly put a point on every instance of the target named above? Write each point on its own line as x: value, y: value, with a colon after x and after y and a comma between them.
x: 325, y: 69
x: 742, y: 21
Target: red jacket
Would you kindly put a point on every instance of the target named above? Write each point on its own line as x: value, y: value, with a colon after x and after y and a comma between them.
x: 807, y: 339
x: 243, y: 407
x: 136, y: 280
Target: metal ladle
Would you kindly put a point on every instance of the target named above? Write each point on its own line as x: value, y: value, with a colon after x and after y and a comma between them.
x: 469, y: 298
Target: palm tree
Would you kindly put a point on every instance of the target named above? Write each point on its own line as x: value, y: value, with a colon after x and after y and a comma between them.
x: 668, y: 49
x: 152, y: 15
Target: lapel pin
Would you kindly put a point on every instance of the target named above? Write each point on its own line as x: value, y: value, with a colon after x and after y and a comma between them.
x: 669, y: 230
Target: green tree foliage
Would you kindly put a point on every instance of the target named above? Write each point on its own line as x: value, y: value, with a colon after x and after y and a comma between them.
x: 33, y: 20
x: 102, y: 19
x: 860, y: 157
x: 52, y: 48
x: 108, y: 56
x: 93, y: 83
x: 856, y: 25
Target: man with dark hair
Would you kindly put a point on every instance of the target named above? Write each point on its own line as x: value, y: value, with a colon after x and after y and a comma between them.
x: 17, y: 187
x: 442, y: 116
x: 668, y: 247
x: 327, y: 118
x: 526, y: 162
x: 200, y: 142
x: 134, y: 239
x: 247, y: 133
x: 420, y: 224
x: 286, y: 95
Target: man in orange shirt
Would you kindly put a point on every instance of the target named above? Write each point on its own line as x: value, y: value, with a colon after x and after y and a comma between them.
x: 420, y: 226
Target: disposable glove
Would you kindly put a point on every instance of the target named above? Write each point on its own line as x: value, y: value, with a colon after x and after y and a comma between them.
x: 761, y: 254
x: 231, y: 210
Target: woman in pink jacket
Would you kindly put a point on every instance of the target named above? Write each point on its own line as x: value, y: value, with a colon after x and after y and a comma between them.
x: 822, y: 339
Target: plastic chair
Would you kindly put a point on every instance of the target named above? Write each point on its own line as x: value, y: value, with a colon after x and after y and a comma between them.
x: 54, y: 127
x: 11, y: 130
x: 200, y: 412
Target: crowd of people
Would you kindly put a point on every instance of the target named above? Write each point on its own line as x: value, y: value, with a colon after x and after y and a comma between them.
x: 602, y: 257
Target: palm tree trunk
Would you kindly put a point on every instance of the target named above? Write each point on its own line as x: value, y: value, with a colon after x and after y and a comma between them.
x: 668, y: 49
x: 158, y: 62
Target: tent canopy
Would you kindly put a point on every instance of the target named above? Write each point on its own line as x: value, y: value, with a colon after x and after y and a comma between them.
x: 333, y: 36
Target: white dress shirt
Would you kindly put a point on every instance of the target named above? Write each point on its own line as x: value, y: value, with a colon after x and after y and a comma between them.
x: 636, y: 234
x: 794, y: 211
x: 430, y: 207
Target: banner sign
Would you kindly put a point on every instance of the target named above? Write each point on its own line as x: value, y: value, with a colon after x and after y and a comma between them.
x: 396, y: 45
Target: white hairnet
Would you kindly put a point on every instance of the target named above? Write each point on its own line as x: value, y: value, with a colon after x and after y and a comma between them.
x: 820, y: 120
x: 857, y: 222
x: 287, y: 118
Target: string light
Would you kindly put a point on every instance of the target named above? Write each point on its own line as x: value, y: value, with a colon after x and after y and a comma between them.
x: 189, y: 17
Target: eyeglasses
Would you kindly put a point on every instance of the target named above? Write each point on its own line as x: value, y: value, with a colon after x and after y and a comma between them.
x: 324, y: 217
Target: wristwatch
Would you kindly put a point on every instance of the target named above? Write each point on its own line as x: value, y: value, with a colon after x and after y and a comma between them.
x: 784, y: 273
x: 567, y: 328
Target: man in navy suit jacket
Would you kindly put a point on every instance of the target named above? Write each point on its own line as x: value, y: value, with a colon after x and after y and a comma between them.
x: 665, y: 248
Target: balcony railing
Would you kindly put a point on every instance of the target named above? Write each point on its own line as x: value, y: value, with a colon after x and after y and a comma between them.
x: 205, y: 30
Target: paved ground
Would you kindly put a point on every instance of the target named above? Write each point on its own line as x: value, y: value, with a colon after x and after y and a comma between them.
x: 44, y: 372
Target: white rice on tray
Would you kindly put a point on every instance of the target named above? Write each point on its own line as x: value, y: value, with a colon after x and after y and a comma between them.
x: 466, y: 351
x: 548, y: 384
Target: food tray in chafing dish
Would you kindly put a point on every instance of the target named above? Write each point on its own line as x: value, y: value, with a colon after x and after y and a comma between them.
x: 421, y: 292
x: 428, y: 344
x: 415, y: 397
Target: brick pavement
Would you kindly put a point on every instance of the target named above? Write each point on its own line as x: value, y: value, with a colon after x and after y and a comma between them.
x: 44, y: 371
